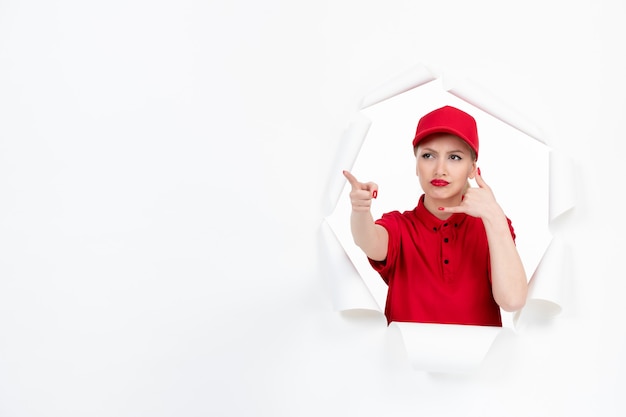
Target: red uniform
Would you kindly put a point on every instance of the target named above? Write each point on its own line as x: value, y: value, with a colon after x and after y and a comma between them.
x: 438, y: 271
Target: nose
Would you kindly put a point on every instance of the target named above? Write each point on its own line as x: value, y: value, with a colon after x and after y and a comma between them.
x: 440, y: 167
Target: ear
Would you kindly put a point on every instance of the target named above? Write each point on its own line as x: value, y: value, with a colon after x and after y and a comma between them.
x: 472, y: 172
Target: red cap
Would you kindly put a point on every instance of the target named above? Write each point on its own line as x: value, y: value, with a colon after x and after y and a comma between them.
x: 451, y: 120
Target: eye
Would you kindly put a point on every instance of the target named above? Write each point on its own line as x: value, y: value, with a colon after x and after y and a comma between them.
x: 427, y: 155
x: 455, y: 157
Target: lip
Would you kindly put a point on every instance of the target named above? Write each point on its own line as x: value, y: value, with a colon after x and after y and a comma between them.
x: 439, y: 183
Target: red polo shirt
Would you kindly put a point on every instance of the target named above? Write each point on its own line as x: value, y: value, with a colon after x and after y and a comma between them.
x: 438, y: 271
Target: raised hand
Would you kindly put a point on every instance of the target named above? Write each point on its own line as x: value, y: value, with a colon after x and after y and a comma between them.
x: 362, y: 193
x: 477, y: 202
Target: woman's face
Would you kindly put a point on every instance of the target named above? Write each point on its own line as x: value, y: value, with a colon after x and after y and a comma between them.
x: 444, y: 163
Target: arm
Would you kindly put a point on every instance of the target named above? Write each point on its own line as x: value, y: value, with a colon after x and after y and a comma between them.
x: 508, y: 278
x: 369, y: 236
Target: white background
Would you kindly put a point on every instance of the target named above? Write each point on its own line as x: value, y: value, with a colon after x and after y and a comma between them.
x: 162, y: 168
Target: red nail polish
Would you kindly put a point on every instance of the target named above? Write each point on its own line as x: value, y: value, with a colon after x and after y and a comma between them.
x: 440, y: 208
x: 375, y: 193
x: 478, y: 169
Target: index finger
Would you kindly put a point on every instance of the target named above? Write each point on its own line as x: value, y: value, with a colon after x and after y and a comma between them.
x: 351, y: 179
x: 479, y: 179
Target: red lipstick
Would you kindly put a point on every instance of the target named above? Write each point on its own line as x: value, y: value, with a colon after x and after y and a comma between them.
x: 439, y: 183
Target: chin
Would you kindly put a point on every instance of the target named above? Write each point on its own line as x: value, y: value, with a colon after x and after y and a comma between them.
x: 440, y: 193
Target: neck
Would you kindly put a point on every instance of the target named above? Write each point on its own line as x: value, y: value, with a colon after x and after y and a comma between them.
x: 433, y: 204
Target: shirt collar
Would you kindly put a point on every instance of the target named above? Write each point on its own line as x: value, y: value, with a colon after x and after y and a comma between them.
x: 432, y: 222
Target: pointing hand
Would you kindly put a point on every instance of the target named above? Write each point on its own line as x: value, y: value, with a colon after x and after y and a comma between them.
x: 362, y: 193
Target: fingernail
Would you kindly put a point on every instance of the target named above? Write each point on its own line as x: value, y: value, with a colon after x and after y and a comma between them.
x: 375, y: 193
x: 440, y: 208
x: 478, y: 169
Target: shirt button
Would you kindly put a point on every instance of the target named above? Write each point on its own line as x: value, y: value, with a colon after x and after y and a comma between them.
x: 445, y: 239
x: 445, y: 262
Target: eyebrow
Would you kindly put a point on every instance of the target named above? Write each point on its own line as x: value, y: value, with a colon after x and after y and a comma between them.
x: 431, y: 150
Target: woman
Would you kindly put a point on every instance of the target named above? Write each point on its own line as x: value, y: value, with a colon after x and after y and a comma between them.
x: 453, y: 258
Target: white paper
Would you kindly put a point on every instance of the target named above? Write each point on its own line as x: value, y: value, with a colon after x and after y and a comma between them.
x: 348, y: 149
x: 446, y: 348
x: 408, y: 80
x: 347, y: 289
x: 562, y: 186
x: 547, y: 286
x: 482, y: 99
